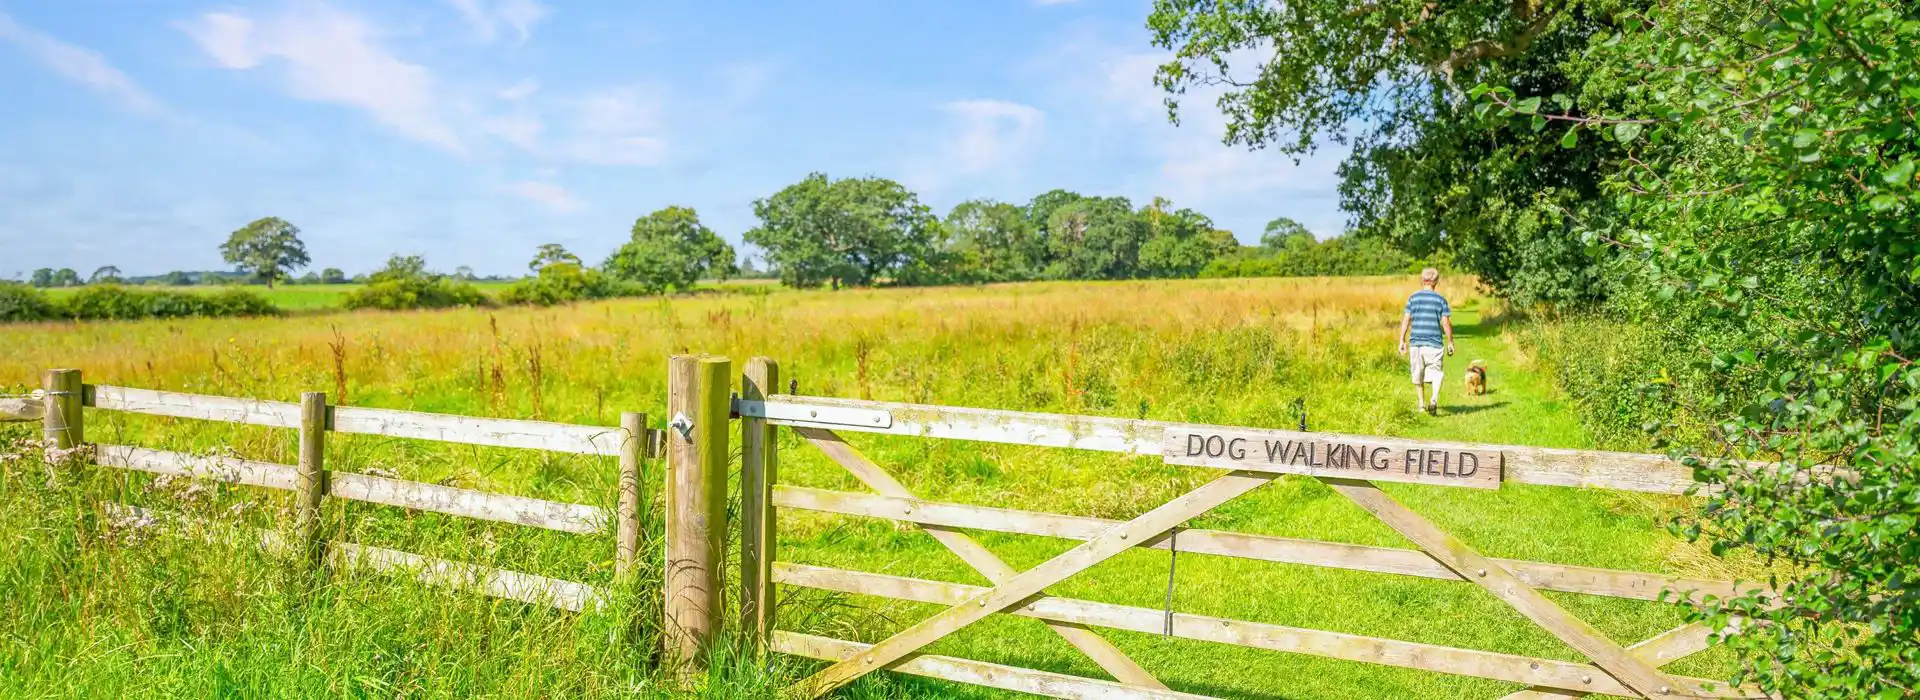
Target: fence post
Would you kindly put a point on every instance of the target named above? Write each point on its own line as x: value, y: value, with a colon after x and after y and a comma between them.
x: 759, y: 470
x: 65, y: 425
x: 697, y: 402
x: 310, y: 482
x: 633, y: 448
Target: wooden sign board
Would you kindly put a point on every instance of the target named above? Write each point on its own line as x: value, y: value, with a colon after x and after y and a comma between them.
x: 1344, y: 456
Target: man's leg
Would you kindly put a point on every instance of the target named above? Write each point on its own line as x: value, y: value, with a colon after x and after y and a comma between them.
x: 1436, y: 396
x: 1416, y: 367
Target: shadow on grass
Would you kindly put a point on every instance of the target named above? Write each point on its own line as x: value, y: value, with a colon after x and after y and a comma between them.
x: 1463, y: 410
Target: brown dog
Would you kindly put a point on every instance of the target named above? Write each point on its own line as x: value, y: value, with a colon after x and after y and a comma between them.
x: 1476, y: 378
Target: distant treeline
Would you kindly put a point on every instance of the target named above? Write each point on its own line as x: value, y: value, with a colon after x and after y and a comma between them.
x: 102, y: 302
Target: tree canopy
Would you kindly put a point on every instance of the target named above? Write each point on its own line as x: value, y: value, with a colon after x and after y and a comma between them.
x: 269, y: 248
x: 671, y: 249
x: 848, y: 231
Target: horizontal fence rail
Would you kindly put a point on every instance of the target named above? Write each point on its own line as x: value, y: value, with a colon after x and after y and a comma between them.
x: 467, y: 503
x: 488, y: 432
x: 1287, y: 550
x: 981, y: 673
x: 1564, y: 675
x: 1624, y: 471
x: 347, y: 556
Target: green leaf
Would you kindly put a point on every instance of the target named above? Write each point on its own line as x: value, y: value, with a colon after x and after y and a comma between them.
x: 1527, y: 106
x: 1539, y: 123
x: 1883, y: 201
x: 1571, y: 139
x: 1805, y: 137
x: 1626, y: 132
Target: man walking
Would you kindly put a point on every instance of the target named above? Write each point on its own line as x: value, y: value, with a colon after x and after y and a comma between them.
x: 1427, y: 323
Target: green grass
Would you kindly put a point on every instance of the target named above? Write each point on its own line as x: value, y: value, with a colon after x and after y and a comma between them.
x: 1233, y: 352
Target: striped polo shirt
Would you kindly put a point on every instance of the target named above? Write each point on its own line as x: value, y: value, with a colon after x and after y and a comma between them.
x: 1426, y: 307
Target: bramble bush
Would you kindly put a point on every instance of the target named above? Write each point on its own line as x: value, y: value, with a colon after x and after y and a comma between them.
x: 405, y: 283
x: 1769, y: 199
x: 563, y: 282
x: 19, y: 302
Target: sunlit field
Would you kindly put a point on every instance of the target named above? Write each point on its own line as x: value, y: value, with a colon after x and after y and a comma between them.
x: 191, y: 618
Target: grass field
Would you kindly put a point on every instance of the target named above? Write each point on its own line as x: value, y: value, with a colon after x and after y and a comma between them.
x: 320, y: 297
x: 88, y: 616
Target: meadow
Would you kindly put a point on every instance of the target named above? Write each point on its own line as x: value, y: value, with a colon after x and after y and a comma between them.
x: 90, y: 613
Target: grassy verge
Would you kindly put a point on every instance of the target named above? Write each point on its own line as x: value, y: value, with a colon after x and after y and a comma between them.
x: 1227, y: 351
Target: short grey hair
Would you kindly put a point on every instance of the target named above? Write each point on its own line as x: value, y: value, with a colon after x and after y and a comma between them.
x: 1429, y: 276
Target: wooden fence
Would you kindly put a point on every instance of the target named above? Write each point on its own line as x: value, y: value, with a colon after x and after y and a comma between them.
x: 65, y: 397
x: 696, y: 448
x: 1248, y: 459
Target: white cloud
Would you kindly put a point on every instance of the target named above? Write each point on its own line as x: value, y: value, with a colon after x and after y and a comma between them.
x: 518, y: 91
x: 547, y: 194
x: 517, y: 129
x: 517, y: 15
x: 78, y: 64
x: 331, y: 56
x: 992, y: 134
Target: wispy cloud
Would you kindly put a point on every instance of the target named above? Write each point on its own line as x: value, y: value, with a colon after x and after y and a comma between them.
x: 992, y: 134
x: 547, y: 194
x: 518, y: 91
x: 330, y: 56
x: 487, y: 19
x: 80, y: 65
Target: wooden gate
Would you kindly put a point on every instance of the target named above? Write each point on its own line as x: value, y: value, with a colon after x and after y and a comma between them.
x: 1248, y: 459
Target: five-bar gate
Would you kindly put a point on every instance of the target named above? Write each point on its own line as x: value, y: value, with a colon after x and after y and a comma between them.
x: 1248, y: 459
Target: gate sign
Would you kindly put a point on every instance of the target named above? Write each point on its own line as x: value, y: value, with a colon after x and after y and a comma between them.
x: 1343, y: 456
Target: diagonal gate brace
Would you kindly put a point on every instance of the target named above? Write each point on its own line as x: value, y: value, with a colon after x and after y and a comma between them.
x: 1017, y: 590
x: 1097, y: 648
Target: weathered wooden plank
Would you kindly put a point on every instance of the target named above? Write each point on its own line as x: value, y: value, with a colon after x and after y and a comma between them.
x: 519, y: 510
x: 1642, y: 677
x: 1014, y: 590
x: 1669, y: 646
x: 1310, y: 454
x: 467, y: 503
x: 273, y: 414
x: 227, y: 469
x: 490, y: 432
x: 976, y: 555
x: 1334, y: 645
x: 1286, y: 550
x: 759, y: 471
x: 1522, y: 465
x: 22, y: 409
x: 1021, y: 680
x: 347, y: 556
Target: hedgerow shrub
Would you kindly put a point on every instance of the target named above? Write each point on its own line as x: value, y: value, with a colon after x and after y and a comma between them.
x: 416, y: 293
x: 562, y: 282
x: 19, y: 302
x: 114, y: 302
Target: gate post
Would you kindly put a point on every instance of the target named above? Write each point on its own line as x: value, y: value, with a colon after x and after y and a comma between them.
x: 633, y: 449
x: 759, y: 469
x: 310, y: 480
x: 699, y: 410
x: 64, y: 425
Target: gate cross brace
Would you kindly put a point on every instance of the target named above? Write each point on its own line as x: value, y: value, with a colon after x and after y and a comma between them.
x: 1630, y: 670
x: 1102, y: 652
x: 1017, y: 590
x: 1659, y: 650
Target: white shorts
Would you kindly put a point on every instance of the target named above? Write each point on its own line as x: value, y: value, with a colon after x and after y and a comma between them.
x: 1424, y: 364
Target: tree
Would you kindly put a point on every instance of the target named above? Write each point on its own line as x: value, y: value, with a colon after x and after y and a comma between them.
x: 269, y: 248
x: 1095, y: 238
x: 1180, y: 243
x: 463, y: 273
x: 1501, y: 198
x: 1282, y: 232
x: 105, y: 274
x: 402, y: 267
x: 42, y: 277
x: 333, y: 275
x: 66, y: 277
x: 994, y: 242
x: 850, y: 231
x: 549, y: 254
x: 670, y: 249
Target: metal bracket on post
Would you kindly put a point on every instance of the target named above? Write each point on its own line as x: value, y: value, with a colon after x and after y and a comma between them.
x: 682, y: 424
x: 814, y: 415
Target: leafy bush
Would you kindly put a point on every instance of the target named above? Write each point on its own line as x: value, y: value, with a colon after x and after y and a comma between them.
x: 405, y: 283
x: 562, y: 282
x: 416, y: 293
x: 114, y: 302
x: 1302, y: 256
x: 19, y: 302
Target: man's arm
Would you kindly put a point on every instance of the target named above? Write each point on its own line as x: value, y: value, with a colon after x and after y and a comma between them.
x: 1446, y: 324
x: 1406, y: 324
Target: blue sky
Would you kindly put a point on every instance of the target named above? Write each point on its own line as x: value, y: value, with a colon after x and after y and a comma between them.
x: 139, y: 134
